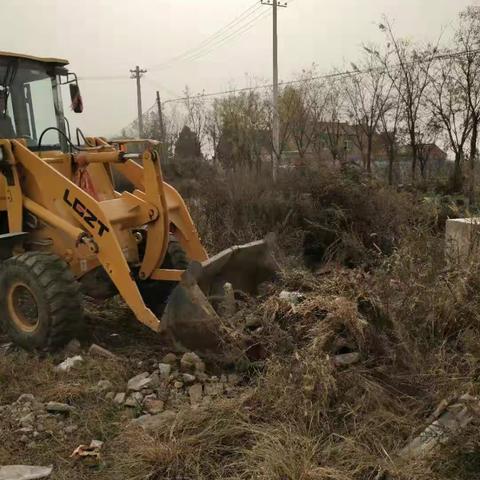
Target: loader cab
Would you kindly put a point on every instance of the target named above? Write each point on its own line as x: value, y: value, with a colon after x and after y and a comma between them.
x: 31, y: 101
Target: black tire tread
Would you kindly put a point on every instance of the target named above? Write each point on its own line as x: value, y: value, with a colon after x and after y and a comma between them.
x: 156, y: 294
x: 60, y: 291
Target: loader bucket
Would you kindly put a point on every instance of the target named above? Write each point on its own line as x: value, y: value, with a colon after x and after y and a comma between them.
x: 190, y: 316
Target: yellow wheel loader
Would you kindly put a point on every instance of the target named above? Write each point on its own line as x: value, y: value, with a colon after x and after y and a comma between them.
x: 66, y: 229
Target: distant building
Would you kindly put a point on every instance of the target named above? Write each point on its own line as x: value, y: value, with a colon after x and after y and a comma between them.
x: 435, y: 159
x: 337, y: 143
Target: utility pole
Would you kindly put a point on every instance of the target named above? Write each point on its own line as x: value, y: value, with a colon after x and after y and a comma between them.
x: 276, y: 115
x: 163, y: 148
x: 137, y: 74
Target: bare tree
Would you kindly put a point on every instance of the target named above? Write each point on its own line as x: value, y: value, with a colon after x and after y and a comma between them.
x: 367, y: 90
x: 451, y: 108
x: 244, y: 130
x: 329, y: 132
x: 172, y: 124
x: 287, y: 102
x: 390, y: 122
x: 410, y: 71
x: 213, y: 129
x: 195, y: 114
x: 467, y: 40
x: 430, y: 131
x: 308, y: 104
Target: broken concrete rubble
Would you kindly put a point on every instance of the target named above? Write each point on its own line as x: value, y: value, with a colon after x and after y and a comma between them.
x: 214, y: 389
x: 139, y: 382
x: 455, y: 417
x: 294, y: 298
x: 187, y: 378
x: 170, y: 358
x: 153, y: 406
x: 69, y: 363
x: 151, y: 423
x: 104, y: 386
x: 57, y: 407
x: 346, y: 359
x: 165, y: 370
x: 119, y: 398
x: 134, y: 400
x: 98, y: 351
x: 191, y: 362
x: 24, y: 472
x: 195, y: 392
x: 6, y: 348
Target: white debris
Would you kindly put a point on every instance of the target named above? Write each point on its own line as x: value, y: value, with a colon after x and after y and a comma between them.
x: 24, y: 472
x: 170, y: 358
x: 294, y: 298
x: 97, y: 444
x: 195, y: 393
x: 57, y: 407
x: 139, y: 382
x: 190, y: 361
x: 346, y: 359
x: 98, y: 351
x: 69, y: 363
x: 453, y: 419
x: 154, y: 406
x: 187, y: 378
x: 119, y: 398
x: 214, y: 389
x: 134, y: 400
x: 152, y: 423
x: 164, y: 369
x: 104, y: 386
x: 5, y: 348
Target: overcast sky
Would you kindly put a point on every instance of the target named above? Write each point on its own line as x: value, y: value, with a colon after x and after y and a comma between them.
x: 109, y: 37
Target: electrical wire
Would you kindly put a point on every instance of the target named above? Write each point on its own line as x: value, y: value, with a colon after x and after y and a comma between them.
x: 215, y: 37
x: 240, y: 31
x: 104, y: 77
x: 211, y: 43
x: 158, y: 86
x: 319, y: 77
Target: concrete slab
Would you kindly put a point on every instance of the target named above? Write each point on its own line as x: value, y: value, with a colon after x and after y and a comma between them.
x: 462, y: 239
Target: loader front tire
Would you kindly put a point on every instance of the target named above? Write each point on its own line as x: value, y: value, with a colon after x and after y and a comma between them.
x: 155, y: 294
x: 40, y: 301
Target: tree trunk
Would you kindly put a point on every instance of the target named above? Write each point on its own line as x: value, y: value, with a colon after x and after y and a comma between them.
x: 369, y: 155
x: 473, y: 156
x: 391, y: 160
x: 423, y: 167
x: 456, y: 180
x: 413, y: 146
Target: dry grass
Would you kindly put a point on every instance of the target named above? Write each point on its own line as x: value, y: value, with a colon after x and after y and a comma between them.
x: 386, y: 293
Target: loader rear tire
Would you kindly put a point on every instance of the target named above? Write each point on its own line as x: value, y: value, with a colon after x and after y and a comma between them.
x: 40, y: 302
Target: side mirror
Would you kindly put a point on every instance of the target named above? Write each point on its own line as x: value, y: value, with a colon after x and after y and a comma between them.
x: 76, y: 97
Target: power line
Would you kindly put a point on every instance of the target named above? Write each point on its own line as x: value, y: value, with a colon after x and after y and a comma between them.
x: 220, y: 42
x: 308, y: 79
x: 103, y: 77
x: 212, y: 38
x: 216, y: 40
x: 159, y: 86
x: 243, y: 29
x: 318, y: 77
